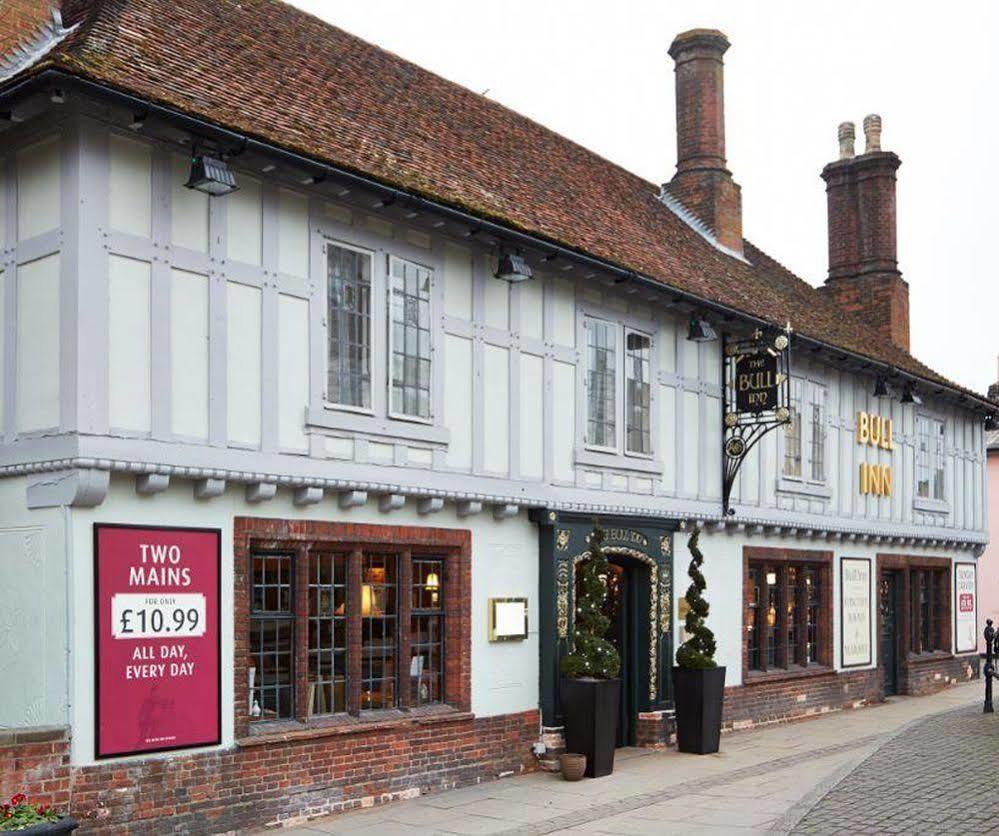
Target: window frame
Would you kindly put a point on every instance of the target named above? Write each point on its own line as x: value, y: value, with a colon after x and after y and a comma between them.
x: 760, y: 561
x: 299, y: 539
x: 389, y: 342
x: 812, y: 393
x: 936, y: 462
x: 327, y: 401
x: 591, y: 454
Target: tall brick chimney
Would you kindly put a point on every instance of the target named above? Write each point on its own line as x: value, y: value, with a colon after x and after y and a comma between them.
x: 863, y: 268
x: 702, y: 183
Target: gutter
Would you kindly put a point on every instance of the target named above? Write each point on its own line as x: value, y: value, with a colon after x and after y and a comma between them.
x: 200, y: 127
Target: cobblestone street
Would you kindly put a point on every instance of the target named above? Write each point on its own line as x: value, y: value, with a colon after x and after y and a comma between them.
x: 913, y: 765
x: 936, y: 775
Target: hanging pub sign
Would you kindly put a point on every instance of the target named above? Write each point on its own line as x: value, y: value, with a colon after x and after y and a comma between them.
x: 157, y: 639
x: 756, y: 396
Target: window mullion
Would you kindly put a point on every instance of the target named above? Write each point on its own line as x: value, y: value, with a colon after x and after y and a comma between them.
x: 405, y: 605
x: 783, y: 655
x: 354, y: 632
x: 300, y: 577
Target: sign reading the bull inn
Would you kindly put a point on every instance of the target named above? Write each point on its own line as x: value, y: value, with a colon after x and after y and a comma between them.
x: 157, y: 638
x: 756, y: 395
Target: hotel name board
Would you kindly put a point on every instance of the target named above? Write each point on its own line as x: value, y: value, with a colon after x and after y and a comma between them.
x: 875, y: 431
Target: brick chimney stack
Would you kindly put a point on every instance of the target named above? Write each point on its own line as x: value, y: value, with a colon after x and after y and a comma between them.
x: 863, y: 266
x: 702, y: 183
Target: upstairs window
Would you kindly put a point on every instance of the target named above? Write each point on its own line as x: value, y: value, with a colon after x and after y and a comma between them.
x: 637, y: 396
x: 930, y: 454
x: 618, y: 388
x: 409, y: 339
x: 348, y: 318
x: 601, y: 384
x: 805, y: 436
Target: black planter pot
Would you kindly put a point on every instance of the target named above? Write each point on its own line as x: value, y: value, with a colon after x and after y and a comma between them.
x: 698, y: 708
x: 589, y: 712
x: 65, y: 825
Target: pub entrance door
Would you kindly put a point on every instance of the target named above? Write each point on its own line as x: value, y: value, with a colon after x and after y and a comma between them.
x: 889, y: 595
x: 627, y: 600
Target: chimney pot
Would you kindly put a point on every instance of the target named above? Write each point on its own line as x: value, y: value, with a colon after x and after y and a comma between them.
x: 872, y: 133
x: 846, y: 133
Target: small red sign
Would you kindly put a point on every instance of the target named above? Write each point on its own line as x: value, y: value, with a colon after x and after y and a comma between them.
x: 157, y: 638
x: 966, y: 602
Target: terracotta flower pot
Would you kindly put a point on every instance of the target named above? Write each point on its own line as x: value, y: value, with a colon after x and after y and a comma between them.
x: 573, y: 766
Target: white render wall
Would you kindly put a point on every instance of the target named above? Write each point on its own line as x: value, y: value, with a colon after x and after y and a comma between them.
x: 156, y: 316
x: 504, y: 564
x: 34, y: 612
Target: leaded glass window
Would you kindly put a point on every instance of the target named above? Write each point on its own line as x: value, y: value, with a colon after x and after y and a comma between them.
x: 792, y: 434
x: 272, y: 637
x: 817, y: 447
x: 601, y: 383
x: 327, y: 651
x: 426, y: 666
x: 637, y: 397
x: 379, y: 630
x: 348, y: 322
x: 409, y: 324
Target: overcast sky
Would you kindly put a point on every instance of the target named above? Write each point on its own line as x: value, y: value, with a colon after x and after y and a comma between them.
x: 598, y: 73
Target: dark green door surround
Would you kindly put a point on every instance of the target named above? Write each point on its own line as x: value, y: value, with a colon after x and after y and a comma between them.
x: 645, y: 547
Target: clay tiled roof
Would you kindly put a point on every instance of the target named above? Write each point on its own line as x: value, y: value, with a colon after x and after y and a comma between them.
x: 268, y: 70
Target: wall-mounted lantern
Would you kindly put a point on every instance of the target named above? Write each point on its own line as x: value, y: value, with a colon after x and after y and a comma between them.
x: 211, y: 175
x: 513, y: 268
x: 700, y: 330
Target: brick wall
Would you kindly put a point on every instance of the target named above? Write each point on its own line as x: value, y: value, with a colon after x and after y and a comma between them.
x: 933, y: 672
x: 776, y: 700
x: 267, y: 781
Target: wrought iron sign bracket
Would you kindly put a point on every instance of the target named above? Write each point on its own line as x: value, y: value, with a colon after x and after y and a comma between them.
x: 755, y: 397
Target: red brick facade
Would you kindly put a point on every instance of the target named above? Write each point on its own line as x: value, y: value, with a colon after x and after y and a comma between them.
x: 265, y: 781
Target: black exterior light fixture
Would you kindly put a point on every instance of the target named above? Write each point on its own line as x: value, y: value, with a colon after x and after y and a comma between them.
x: 513, y: 268
x: 910, y: 395
x: 211, y: 175
x: 700, y: 330
x: 991, y: 422
x: 883, y: 388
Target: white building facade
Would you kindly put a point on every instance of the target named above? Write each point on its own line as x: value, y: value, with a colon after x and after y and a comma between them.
x: 396, y: 451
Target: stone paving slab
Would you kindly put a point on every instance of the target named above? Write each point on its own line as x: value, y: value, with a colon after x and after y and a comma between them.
x: 763, y: 780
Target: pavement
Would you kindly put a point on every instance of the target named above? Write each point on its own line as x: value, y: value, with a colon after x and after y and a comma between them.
x: 911, y: 764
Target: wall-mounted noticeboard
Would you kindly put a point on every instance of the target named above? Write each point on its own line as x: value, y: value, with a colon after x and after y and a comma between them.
x: 156, y: 639
x: 507, y: 619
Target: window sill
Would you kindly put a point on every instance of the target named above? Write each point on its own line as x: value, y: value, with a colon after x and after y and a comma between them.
x: 283, y: 731
x: 784, y: 674
x: 934, y: 506
x: 330, y: 418
x: 820, y: 491
x: 928, y: 656
x: 618, y: 461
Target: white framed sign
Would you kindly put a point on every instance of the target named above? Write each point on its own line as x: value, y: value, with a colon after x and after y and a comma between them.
x: 965, y: 608
x: 507, y: 619
x: 855, y: 612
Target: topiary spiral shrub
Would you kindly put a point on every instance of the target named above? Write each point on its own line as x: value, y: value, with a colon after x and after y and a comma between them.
x: 592, y: 655
x: 699, y: 650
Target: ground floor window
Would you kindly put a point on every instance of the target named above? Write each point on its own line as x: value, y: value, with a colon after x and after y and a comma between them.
x: 929, y: 610
x: 788, y: 615
x: 351, y: 620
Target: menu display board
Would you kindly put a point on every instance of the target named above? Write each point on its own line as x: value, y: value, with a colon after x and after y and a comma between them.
x: 157, y: 638
x: 855, y: 612
x: 966, y: 609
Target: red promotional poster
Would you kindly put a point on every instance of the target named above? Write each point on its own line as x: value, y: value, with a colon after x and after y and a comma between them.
x: 157, y: 638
